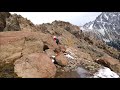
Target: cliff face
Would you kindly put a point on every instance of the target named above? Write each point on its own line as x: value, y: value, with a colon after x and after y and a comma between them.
x: 3, y: 16
x: 25, y: 45
x: 14, y: 22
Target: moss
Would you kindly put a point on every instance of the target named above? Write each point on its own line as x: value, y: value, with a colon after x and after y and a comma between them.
x: 7, y: 70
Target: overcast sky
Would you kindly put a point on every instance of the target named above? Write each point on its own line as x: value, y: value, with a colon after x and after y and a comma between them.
x: 76, y: 18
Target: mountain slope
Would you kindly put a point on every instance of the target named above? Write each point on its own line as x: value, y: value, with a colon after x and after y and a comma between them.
x: 107, y: 27
x: 31, y: 48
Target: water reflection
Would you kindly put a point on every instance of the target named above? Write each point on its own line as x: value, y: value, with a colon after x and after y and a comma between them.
x: 83, y: 73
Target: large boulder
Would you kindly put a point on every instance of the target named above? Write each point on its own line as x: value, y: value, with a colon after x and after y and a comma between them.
x: 61, y: 59
x: 48, y: 40
x: 110, y: 62
x: 50, y: 52
x: 36, y: 65
x: 15, y: 44
x: 12, y: 51
x: 32, y: 44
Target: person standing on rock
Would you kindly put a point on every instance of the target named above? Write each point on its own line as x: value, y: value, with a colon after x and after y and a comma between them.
x: 60, y: 48
x: 57, y: 50
x: 56, y: 39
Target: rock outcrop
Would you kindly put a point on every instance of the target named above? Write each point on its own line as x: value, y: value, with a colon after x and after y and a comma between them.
x: 3, y: 17
x: 110, y: 62
x: 36, y: 65
x: 14, y: 22
x: 61, y: 59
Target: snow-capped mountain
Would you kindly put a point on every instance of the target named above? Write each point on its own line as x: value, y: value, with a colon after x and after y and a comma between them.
x: 107, y: 27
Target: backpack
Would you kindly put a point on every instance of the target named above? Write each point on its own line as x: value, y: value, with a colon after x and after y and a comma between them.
x: 57, y: 41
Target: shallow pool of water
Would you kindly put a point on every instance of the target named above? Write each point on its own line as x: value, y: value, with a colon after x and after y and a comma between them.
x: 83, y: 73
x: 78, y: 73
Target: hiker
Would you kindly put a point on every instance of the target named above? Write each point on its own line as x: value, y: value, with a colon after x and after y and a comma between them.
x: 56, y: 39
x: 60, y: 46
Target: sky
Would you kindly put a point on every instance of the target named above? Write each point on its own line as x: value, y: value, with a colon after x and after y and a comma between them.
x: 76, y: 18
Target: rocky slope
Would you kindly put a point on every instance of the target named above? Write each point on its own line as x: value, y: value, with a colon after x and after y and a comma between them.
x: 15, y: 23
x: 28, y: 50
x: 106, y: 27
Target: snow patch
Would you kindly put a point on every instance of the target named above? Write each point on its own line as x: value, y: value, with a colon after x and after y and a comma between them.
x: 53, y: 60
x: 101, y: 18
x: 53, y: 56
x: 70, y: 53
x: 106, y: 40
x: 69, y: 56
x: 102, y: 31
x: 106, y: 16
x: 105, y: 73
x: 113, y: 15
x: 91, y: 26
x: 84, y: 29
x: 116, y: 32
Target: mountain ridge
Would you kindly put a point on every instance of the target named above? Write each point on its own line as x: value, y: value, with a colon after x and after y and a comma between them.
x: 107, y: 25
